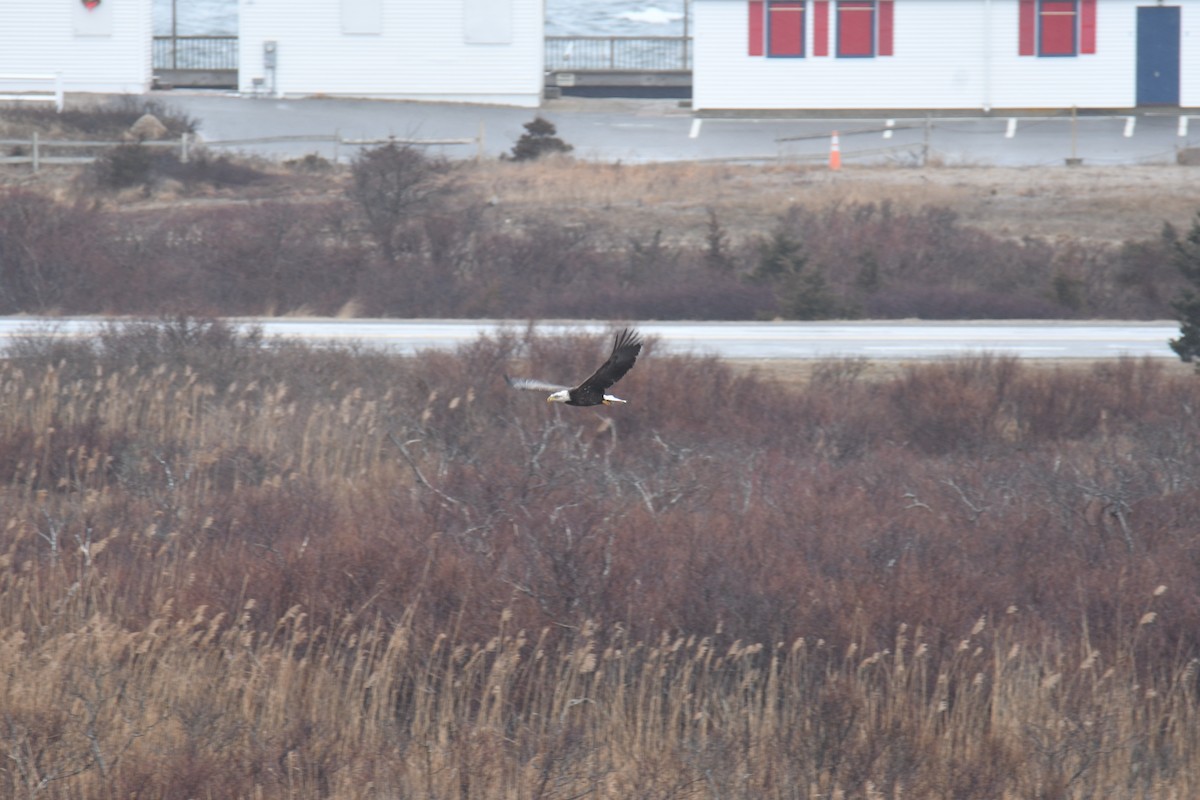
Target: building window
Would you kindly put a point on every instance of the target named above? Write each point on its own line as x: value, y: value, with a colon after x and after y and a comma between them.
x: 785, y: 28
x: 1056, y: 28
x: 856, y: 28
x: 1057, y: 23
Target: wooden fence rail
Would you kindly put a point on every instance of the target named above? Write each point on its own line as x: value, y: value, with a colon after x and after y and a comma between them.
x: 32, y: 150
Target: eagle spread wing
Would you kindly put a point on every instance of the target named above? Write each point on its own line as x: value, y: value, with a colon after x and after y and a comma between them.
x: 625, y: 351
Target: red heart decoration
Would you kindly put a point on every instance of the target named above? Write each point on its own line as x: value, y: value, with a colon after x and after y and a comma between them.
x: 90, y: 4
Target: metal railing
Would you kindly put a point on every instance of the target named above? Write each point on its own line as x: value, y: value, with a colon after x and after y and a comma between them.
x: 652, y: 53
x: 195, y: 52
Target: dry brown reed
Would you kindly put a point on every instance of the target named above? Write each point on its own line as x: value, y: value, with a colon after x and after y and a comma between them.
x: 307, y: 574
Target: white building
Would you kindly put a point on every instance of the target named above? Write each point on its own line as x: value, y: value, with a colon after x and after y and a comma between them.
x: 468, y: 51
x: 95, y: 45
x: 945, y: 54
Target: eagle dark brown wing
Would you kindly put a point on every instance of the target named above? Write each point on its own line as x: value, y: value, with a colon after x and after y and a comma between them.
x: 626, y: 347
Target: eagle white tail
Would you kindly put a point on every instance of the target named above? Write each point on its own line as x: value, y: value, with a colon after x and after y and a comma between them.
x: 610, y: 399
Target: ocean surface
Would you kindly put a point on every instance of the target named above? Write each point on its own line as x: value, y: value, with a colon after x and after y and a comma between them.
x: 563, y: 17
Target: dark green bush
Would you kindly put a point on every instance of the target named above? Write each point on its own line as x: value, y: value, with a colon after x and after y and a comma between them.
x: 136, y: 164
x: 539, y: 139
x: 1186, y: 257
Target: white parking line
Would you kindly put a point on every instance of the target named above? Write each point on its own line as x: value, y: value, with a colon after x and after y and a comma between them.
x: 1129, y: 123
x: 1011, y: 130
x: 694, y: 133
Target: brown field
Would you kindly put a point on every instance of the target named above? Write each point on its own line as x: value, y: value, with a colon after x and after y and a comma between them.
x: 1093, y: 203
x: 230, y: 571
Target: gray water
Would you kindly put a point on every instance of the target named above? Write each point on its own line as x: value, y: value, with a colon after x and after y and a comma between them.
x: 563, y: 17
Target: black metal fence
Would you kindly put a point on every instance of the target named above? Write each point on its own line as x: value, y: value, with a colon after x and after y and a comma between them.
x: 563, y: 53
x: 652, y: 53
x: 195, y: 52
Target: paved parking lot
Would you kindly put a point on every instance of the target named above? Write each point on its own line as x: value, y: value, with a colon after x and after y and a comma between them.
x: 662, y: 130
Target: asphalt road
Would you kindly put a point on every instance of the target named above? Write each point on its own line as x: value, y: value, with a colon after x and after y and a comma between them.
x: 660, y: 130
x: 733, y: 340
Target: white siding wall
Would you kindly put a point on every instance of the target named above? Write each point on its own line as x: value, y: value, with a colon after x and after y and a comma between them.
x: 949, y: 54
x: 422, y: 52
x: 1189, y: 57
x: 41, y: 36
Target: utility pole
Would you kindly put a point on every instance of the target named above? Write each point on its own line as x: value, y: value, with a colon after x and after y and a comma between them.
x: 684, y: 43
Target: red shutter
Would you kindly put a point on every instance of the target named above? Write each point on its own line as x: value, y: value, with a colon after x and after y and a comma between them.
x: 1087, y: 27
x: 886, y: 26
x: 1028, y: 27
x: 756, y: 27
x: 821, y: 28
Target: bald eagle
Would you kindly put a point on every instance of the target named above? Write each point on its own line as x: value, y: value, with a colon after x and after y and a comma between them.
x: 592, y: 392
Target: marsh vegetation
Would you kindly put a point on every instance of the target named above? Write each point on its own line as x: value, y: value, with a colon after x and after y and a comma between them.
x: 234, y: 570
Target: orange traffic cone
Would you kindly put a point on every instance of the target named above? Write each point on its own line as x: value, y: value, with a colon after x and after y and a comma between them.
x: 835, y: 153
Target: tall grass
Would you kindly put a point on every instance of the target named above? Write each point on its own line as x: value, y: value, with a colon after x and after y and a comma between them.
x: 228, y: 570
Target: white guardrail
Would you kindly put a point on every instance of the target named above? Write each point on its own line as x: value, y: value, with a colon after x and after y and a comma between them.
x: 47, y: 88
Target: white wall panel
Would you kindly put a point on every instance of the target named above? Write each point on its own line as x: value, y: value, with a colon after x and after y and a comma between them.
x: 362, y: 16
x: 108, y: 52
x: 423, y: 52
x: 487, y: 21
x: 1189, y: 57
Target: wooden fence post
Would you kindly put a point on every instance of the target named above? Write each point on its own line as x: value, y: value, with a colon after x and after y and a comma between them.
x: 35, y: 157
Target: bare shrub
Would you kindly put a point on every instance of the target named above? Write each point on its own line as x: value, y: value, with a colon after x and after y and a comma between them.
x: 53, y: 256
x: 393, y: 186
x: 435, y: 248
x: 960, y: 405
